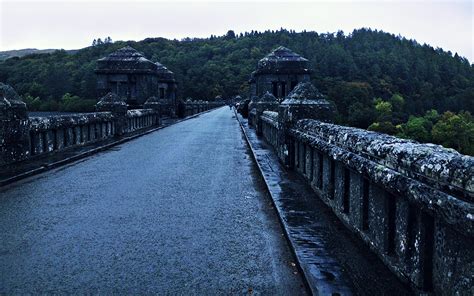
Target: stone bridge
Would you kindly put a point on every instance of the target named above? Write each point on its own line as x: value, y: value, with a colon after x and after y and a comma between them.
x: 283, y: 202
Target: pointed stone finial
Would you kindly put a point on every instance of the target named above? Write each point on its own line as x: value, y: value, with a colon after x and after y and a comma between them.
x: 115, y: 104
x: 10, y: 100
x: 305, y: 91
x: 268, y: 98
x: 154, y: 103
x: 111, y: 102
x: 305, y: 101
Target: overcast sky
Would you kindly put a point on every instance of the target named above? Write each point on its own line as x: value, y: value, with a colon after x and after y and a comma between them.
x: 74, y: 24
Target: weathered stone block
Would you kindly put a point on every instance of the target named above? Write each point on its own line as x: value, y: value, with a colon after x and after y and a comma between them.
x: 404, y: 221
x: 49, y: 141
x: 78, y: 134
x: 308, y: 162
x: 85, y: 133
x: 317, y: 181
x: 92, y: 133
x: 378, y: 217
x: 339, y: 187
x: 301, y: 158
x: 60, y: 139
x: 98, y: 130
x: 38, y: 143
x: 103, y: 126
x: 69, y: 136
x: 453, y: 262
x: 328, y: 177
x: 356, y: 200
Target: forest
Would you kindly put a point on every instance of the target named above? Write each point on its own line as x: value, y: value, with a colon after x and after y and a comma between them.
x: 377, y: 80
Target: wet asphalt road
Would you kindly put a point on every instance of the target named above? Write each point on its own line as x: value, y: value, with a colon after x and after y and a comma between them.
x: 179, y: 211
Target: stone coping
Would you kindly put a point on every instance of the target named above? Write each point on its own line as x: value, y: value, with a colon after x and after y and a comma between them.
x: 434, y: 163
x: 140, y: 112
x: 66, y: 121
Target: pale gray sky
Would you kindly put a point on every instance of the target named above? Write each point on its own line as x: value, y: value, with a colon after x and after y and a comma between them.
x: 74, y: 24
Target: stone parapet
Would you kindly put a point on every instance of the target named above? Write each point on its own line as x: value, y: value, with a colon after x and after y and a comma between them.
x: 23, y: 137
x: 411, y: 203
x: 141, y: 118
x: 442, y: 168
x: 55, y: 133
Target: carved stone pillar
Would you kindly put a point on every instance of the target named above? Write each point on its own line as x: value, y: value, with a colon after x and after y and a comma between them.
x: 14, y: 126
x: 304, y: 102
x: 113, y: 103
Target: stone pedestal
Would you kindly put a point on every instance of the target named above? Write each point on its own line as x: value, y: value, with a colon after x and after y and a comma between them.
x: 304, y: 102
x: 188, y: 107
x: 267, y: 102
x: 252, y: 119
x: 113, y: 103
x: 14, y: 126
x: 156, y: 105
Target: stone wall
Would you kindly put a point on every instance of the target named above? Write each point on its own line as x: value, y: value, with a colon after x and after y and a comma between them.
x: 411, y: 203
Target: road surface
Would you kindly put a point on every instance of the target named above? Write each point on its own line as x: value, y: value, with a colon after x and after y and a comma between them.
x: 178, y: 211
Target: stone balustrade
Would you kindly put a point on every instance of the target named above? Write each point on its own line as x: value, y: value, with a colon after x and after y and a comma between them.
x: 141, y: 118
x: 411, y: 203
x: 190, y: 107
x: 24, y: 137
x: 48, y: 134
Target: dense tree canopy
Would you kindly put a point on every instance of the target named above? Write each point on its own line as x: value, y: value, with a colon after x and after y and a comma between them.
x: 373, y: 77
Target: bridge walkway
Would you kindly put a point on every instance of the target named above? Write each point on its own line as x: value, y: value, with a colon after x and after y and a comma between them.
x: 178, y: 211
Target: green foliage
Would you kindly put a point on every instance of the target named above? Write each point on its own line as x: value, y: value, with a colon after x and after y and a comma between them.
x: 417, y: 128
x: 450, y: 129
x: 360, y: 115
x: 383, y: 110
x: 353, y: 69
x: 70, y: 103
x: 455, y: 131
x: 397, y: 102
x: 385, y: 127
x: 33, y: 103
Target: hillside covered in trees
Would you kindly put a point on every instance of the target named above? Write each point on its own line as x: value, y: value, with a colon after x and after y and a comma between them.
x: 377, y: 80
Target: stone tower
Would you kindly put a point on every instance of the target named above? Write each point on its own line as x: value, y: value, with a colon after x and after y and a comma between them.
x: 278, y: 73
x: 128, y: 74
